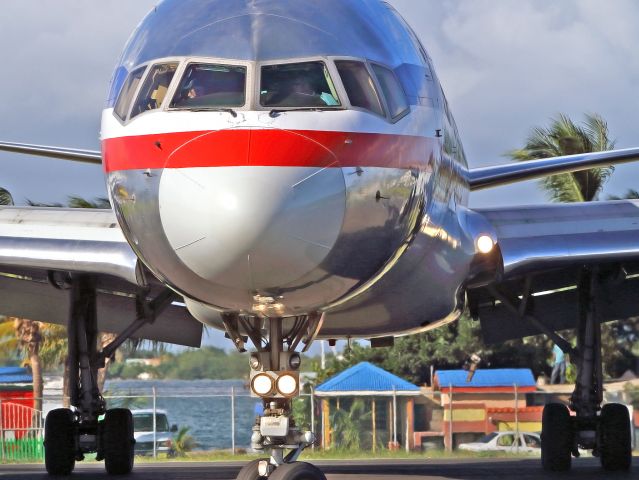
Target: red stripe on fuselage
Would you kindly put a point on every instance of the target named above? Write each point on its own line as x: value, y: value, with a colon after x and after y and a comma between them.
x: 268, y: 148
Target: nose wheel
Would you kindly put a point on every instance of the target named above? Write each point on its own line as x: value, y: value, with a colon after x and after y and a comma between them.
x: 297, y: 471
x: 275, y: 381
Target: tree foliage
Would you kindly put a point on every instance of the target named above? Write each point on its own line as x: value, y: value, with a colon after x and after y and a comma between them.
x: 5, y: 197
x: 565, y: 137
x: 447, y: 347
x: 350, y: 425
x: 204, y: 363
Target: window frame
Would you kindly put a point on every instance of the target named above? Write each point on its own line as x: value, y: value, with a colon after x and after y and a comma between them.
x: 332, y: 71
x: 148, y: 66
x: 135, y: 94
x: 147, y: 72
x: 405, y: 112
x: 188, y: 61
x: 376, y: 86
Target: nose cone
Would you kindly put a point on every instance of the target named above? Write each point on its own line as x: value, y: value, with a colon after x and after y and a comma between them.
x: 261, y: 223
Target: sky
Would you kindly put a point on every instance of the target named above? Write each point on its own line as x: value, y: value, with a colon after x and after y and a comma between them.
x: 505, y: 65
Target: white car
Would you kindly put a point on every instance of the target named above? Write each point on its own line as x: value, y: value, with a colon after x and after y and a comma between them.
x: 143, y: 433
x: 506, y: 442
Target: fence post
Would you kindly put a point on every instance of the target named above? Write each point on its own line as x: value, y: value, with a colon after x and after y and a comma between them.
x: 313, y: 414
x: 1, y: 434
x: 394, y: 416
x: 450, y: 420
x: 155, y: 447
x: 517, y: 419
x: 233, y: 420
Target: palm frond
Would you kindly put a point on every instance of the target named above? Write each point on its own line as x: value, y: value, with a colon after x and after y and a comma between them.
x: 565, y: 137
x: 5, y: 197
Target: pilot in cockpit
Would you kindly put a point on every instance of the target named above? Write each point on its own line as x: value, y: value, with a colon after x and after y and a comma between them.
x: 194, y: 90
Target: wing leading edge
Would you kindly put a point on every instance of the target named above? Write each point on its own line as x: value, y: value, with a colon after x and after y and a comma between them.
x: 39, y: 247
x: 494, y: 176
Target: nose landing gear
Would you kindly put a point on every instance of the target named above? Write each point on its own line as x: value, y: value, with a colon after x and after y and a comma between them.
x: 604, y: 430
x: 275, y: 380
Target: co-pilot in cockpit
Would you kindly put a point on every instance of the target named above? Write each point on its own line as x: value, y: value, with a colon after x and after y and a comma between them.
x: 301, y: 85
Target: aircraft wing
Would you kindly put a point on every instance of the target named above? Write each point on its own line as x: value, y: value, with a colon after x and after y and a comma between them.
x: 488, y: 177
x: 40, y: 247
x: 84, y: 156
x: 543, y: 251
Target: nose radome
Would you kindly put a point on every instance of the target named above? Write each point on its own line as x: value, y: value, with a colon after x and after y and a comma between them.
x: 259, y: 215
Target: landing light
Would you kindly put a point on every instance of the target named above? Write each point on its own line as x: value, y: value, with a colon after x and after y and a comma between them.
x: 287, y: 385
x: 485, y: 244
x: 262, y: 384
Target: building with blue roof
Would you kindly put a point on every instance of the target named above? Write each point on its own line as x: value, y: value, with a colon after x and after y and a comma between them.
x: 501, y: 379
x: 366, y: 380
x: 388, y: 399
x: 10, y: 376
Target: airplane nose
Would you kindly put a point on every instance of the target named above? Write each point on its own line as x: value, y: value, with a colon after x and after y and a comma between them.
x: 266, y: 210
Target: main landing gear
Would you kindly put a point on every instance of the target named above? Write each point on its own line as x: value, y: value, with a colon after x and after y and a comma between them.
x: 88, y: 427
x: 275, y: 380
x: 604, y: 430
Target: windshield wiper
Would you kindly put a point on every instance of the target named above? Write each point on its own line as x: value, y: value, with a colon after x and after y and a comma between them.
x: 213, y: 109
x: 276, y: 112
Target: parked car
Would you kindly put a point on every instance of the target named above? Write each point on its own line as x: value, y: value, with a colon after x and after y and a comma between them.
x: 527, y: 442
x: 143, y: 433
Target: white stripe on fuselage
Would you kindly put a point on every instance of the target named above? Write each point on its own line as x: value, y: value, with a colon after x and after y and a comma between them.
x: 421, y: 122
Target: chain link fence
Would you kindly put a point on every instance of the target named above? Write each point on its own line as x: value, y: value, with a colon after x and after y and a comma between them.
x: 221, y: 415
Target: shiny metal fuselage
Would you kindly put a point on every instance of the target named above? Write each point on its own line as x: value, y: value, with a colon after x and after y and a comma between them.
x: 339, y: 211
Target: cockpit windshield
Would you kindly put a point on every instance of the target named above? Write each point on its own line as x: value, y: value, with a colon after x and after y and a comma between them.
x: 297, y: 85
x: 206, y: 85
x: 155, y: 87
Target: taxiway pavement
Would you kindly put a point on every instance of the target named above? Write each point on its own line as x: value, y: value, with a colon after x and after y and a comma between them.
x: 456, y: 469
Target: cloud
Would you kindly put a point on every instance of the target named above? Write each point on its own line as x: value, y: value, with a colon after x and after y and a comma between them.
x: 505, y: 65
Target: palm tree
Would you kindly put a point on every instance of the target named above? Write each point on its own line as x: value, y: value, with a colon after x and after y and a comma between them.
x: 349, y: 426
x: 5, y: 197
x: 565, y: 137
x: 184, y: 442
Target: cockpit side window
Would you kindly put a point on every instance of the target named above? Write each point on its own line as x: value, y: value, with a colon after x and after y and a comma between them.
x: 392, y: 90
x: 211, y: 86
x: 126, y: 94
x: 359, y: 86
x: 154, y: 88
x: 298, y: 85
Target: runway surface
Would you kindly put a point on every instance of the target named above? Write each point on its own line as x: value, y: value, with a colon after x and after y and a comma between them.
x: 457, y: 469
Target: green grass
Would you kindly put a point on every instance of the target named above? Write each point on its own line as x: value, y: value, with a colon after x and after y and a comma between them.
x: 226, y: 456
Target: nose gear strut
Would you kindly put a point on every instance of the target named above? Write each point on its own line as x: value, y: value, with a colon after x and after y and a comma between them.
x: 275, y: 379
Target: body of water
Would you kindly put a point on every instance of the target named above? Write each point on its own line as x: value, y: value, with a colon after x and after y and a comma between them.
x: 202, y: 405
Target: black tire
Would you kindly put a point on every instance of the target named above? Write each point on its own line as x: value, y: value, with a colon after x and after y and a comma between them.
x: 118, y: 441
x: 249, y: 471
x: 615, y: 437
x: 297, y: 471
x: 556, y: 438
x: 59, y: 442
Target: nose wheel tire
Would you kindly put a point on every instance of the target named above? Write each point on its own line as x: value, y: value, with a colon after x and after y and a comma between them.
x: 59, y: 442
x: 556, y: 438
x: 250, y: 471
x: 615, y: 437
x: 118, y: 441
x: 297, y: 471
